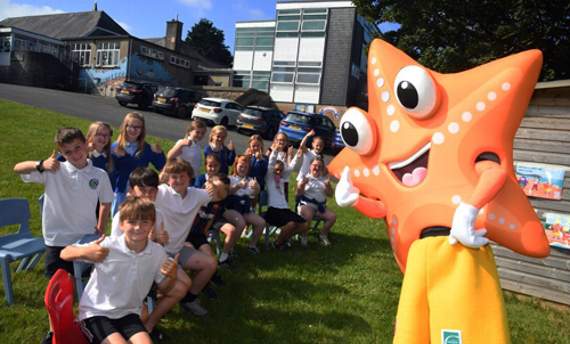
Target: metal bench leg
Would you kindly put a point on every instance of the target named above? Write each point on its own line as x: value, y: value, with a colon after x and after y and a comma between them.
x: 7, y: 280
x: 23, y: 264
x: 34, y: 261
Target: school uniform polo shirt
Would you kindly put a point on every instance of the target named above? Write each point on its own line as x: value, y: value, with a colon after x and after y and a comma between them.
x: 179, y: 213
x: 315, y: 188
x: 308, y: 157
x: 193, y: 155
x: 247, y: 191
x: 120, y: 283
x: 70, y: 200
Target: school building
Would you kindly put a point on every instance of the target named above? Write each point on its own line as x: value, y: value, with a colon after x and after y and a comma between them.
x: 311, y: 56
x: 91, y: 52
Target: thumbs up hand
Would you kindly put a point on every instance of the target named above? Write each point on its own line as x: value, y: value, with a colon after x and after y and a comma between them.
x: 170, y: 266
x: 95, y: 252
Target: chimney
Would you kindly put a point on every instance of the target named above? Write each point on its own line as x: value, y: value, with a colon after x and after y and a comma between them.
x: 95, y: 6
x: 173, y: 34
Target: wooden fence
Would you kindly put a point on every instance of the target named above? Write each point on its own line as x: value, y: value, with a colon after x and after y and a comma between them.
x: 543, y: 137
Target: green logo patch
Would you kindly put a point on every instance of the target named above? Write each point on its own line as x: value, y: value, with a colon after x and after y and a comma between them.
x: 450, y: 337
x: 93, y: 183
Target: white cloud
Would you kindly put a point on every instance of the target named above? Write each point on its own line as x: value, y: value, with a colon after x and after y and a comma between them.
x: 198, y: 4
x: 125, y: 26
x: 10, y: 9
x: 256, y: 13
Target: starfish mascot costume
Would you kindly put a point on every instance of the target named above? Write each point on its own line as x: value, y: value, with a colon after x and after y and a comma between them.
x: 433, y: 156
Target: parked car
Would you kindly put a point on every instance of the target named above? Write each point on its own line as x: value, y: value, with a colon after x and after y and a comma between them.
x: 297, y: 124
x: 131, y: 92
x: 217, y: 111
x: 175, y: 101
x: 259, y: 120
x: 337, y: 144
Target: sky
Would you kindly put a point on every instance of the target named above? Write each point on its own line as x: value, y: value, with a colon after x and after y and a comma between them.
x: 147, y: 19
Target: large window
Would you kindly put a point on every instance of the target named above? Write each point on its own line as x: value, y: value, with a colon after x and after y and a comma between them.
x: 310, y: 22
x: 242, y: 79
x: 257, y: 80
x: 255, y: 38
x: 82, y: 53
x: 108, y: 54
x: 180, y: 61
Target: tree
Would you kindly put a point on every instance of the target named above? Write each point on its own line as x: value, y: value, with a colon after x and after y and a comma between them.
x: 208, y: 40
x: 450, y: 36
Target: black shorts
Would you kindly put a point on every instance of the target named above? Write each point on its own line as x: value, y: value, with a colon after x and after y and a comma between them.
x: 197, y: 240
x: 53, y: 262
x: 280, y: 217
x: 97, y: 328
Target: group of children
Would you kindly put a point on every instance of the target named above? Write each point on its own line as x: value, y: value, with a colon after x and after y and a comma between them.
x: 161, y: 221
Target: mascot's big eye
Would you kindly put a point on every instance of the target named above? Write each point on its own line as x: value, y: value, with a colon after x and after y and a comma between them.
x: 416, y: 92
x: 356, y: 131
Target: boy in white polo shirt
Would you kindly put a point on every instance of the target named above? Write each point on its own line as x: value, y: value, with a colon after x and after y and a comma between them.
x: 72, y: 190
x: 125, y: 268
x: 179, y: 204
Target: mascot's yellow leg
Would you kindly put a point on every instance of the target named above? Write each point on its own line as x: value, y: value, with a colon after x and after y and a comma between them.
x: 451, y: 295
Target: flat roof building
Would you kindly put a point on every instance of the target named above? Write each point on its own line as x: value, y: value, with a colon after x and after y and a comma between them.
x: 312, y: 54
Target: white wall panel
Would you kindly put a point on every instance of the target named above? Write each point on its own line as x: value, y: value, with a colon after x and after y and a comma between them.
x: 307, y: 94
x: 312, y: 49
x: 243, y: 60
x: 262, y: 61
x: 281, y: 93
x: 285, y: 49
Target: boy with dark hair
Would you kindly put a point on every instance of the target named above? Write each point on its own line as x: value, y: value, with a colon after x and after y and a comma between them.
x: 72, y: 190
x: 144, y: 184
x: 125, y: 268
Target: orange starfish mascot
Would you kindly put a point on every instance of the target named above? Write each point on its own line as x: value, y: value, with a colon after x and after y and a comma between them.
x: 433, y: 156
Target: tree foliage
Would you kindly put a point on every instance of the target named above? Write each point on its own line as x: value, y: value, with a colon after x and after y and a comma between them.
x: 209, y: 41
x: 450, y: 36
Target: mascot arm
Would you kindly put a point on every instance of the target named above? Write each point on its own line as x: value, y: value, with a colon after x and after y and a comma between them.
x: 370, y: 208
x: 491, y: 179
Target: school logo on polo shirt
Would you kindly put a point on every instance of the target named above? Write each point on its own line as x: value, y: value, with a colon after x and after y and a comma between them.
x: 93, y: 182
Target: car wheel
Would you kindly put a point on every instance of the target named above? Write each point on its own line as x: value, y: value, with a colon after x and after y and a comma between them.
x: 122, y: 103
x: 224, y: 122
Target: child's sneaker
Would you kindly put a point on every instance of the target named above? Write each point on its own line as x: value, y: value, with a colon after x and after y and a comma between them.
x: 324, y: 240
x: 195, y: 308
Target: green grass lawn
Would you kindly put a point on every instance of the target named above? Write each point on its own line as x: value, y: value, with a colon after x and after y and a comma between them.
x: 347, y: 293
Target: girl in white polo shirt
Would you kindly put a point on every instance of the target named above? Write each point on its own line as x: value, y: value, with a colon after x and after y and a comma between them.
x: 278, y: 213
x: 312, y: 190
x: 125, y: 268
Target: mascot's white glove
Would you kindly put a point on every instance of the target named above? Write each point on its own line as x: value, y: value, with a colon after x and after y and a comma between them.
x: 462, y: 227
x: 345, y: 193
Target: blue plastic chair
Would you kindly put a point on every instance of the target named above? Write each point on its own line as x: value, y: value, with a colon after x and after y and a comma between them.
x: 17, y: 246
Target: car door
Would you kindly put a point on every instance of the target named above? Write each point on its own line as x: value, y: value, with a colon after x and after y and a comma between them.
x: 324, y: 128
x: 232, y: 111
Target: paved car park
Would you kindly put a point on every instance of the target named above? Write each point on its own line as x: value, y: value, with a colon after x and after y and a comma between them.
x: 97, y: 108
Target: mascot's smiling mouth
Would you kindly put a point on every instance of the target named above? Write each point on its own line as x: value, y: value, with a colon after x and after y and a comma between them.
x: 413, y: 170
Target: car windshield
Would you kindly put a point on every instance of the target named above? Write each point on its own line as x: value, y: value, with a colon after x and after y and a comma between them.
x: 253, y: 112
x: 166, y: 91
x: 131, y: 85
x: 207, y: 102
x: 294, y: 117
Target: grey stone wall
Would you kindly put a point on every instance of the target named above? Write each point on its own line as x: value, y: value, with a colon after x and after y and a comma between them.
x: 338, y: 48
